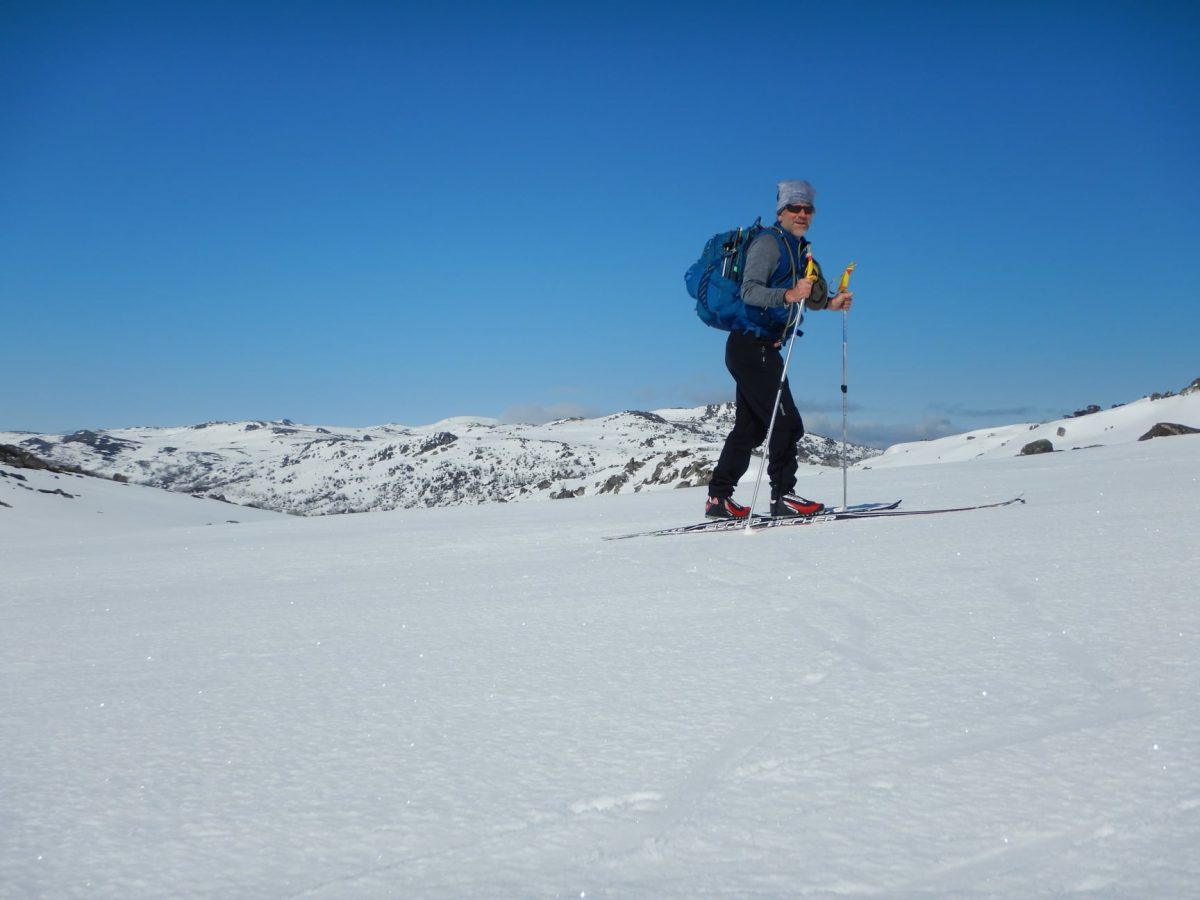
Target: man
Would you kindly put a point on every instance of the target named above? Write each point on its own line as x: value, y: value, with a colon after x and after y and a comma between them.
x: 773, y: 287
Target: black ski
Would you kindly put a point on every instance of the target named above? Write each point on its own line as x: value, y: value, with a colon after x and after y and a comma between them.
x: 756, y: 522
x: 761, y: 523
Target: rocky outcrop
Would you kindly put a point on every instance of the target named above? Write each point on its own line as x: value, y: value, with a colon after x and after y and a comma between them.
x: 101, y: 443
x: 19, y: 458
x: 1168, y: 429
x: 1035, y: 447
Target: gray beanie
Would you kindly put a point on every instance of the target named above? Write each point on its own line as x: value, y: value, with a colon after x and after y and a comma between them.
x: 795, y: 193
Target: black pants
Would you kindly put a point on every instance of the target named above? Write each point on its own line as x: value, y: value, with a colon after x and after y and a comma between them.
x: 756, y: 367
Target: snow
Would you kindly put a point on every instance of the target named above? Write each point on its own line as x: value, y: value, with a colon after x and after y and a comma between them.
x: 494, y: 702
x: 1119, y: 425
x: 309, y: 469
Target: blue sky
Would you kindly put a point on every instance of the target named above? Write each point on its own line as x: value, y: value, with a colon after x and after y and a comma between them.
x: 355, y: 213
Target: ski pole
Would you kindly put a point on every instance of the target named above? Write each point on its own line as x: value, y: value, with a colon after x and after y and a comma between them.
x: 810, y: 273
x: 845, y: 488
x: 842, y: 285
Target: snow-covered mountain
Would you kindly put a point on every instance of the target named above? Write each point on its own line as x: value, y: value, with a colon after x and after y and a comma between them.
x: 312, y: 470
x: 306, y: 469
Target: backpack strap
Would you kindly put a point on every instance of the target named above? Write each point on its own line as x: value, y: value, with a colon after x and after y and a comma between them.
x: 785, y: 249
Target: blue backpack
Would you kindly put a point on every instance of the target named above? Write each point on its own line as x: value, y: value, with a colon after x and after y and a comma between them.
x: 715, y: 279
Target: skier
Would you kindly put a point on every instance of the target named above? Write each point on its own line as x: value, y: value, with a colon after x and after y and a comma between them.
x: 773, y: 283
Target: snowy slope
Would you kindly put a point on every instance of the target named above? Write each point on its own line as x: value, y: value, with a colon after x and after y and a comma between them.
x: 310, y: 469
x: 58, y: 505
x: 494, y: 702
x: 1121, y: 424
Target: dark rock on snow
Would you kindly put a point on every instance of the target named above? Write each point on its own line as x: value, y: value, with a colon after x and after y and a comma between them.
x: 1035, y: 447
x: 1168, y: 429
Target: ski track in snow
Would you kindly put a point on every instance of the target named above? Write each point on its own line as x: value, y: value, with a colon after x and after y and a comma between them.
x: 663, y: 812
x: 684, y: 799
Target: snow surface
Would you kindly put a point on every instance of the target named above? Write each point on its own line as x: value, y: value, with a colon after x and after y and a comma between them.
x: 494, y: 702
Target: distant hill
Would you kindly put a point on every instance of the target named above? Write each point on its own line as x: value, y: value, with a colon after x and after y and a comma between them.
x: 1085, y: 428
x: 313, y: 470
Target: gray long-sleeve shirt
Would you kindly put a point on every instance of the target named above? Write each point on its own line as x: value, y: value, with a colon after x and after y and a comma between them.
x: 761, y: 261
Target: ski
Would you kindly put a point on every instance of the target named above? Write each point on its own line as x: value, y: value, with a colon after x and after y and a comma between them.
x: 863, y: 507
x: 756, y: 522
x: 847, y: 515
x: 862, y: 511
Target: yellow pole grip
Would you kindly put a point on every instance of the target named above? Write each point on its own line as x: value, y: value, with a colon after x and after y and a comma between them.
x: 845, y: 282
x: 810, y: 268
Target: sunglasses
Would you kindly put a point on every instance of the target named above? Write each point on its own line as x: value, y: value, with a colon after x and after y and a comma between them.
x: 800, y: 208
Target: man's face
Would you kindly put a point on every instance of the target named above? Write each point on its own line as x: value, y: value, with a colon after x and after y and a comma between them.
x: 795, y: 219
